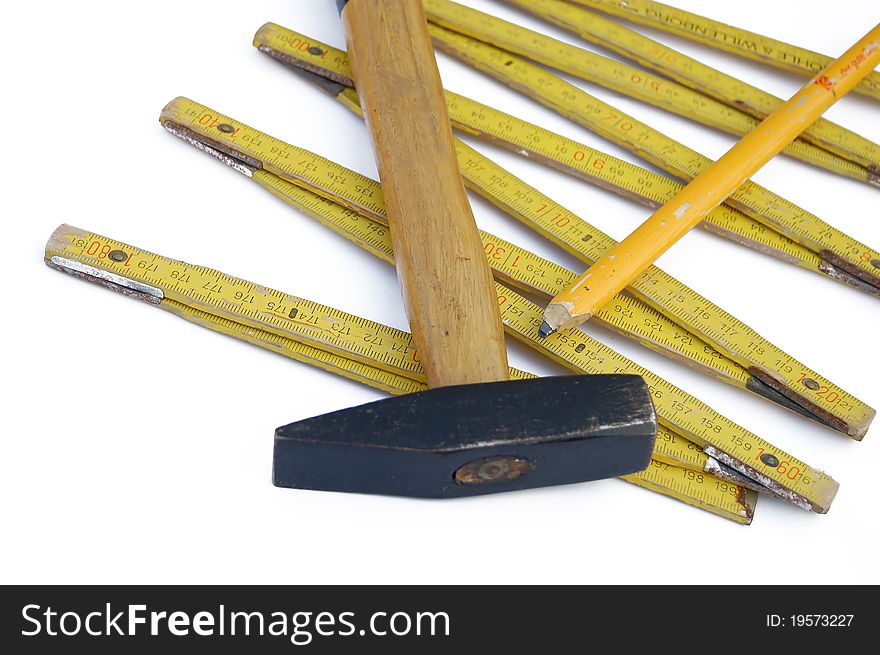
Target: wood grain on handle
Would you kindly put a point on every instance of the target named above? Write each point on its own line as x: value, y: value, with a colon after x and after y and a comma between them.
x: 447, y: 286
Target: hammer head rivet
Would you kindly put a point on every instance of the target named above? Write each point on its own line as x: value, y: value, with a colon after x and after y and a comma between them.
x: 226, y: 128
x: 493, y: 469
x: 117, y: 256
x: 810, y: 383
x: 770, y: 460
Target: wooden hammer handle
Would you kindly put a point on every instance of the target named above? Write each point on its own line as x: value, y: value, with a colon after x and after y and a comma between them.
x: 447, y: 286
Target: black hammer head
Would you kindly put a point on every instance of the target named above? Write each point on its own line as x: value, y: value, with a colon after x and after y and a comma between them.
x: 474, y: 439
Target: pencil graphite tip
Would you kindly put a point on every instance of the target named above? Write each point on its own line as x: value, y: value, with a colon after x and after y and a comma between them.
x: 545, y: 330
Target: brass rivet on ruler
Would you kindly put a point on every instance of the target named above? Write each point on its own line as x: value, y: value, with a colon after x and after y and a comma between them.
x: 810, y: 383
x: 117, y: 256
x: 875, y: 263
x: 315, y: 50
x: 293, y: 313
x: 770, y: 460
x: 493, y: 469
x: 226, y: 128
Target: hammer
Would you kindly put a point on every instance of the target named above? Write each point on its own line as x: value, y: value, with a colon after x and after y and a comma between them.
x: 474, y: 431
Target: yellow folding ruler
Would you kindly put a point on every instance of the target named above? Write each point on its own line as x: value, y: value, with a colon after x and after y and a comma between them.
x: 694, y: 319
x: 725, y: 37
x: 569, y: 100
x: 354, y: 347
x: 287, y: 171
x: 823, y: 144
x: 328, y: 68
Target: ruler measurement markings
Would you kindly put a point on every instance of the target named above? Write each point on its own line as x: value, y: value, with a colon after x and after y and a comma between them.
x: 824, y: 143
x: 265, y: 317
x: 737, y: 506
x: 649, y: 188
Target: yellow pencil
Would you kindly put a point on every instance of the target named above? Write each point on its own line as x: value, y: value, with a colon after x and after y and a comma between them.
x: 626, y: 261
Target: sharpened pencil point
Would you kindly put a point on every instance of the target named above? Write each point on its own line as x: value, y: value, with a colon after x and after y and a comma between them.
x: 545, y: 330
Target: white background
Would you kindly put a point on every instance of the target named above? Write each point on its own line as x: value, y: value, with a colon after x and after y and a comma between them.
x: 137, y: 447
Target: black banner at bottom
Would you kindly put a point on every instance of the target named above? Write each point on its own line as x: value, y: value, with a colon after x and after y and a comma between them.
x: 429, y: 619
